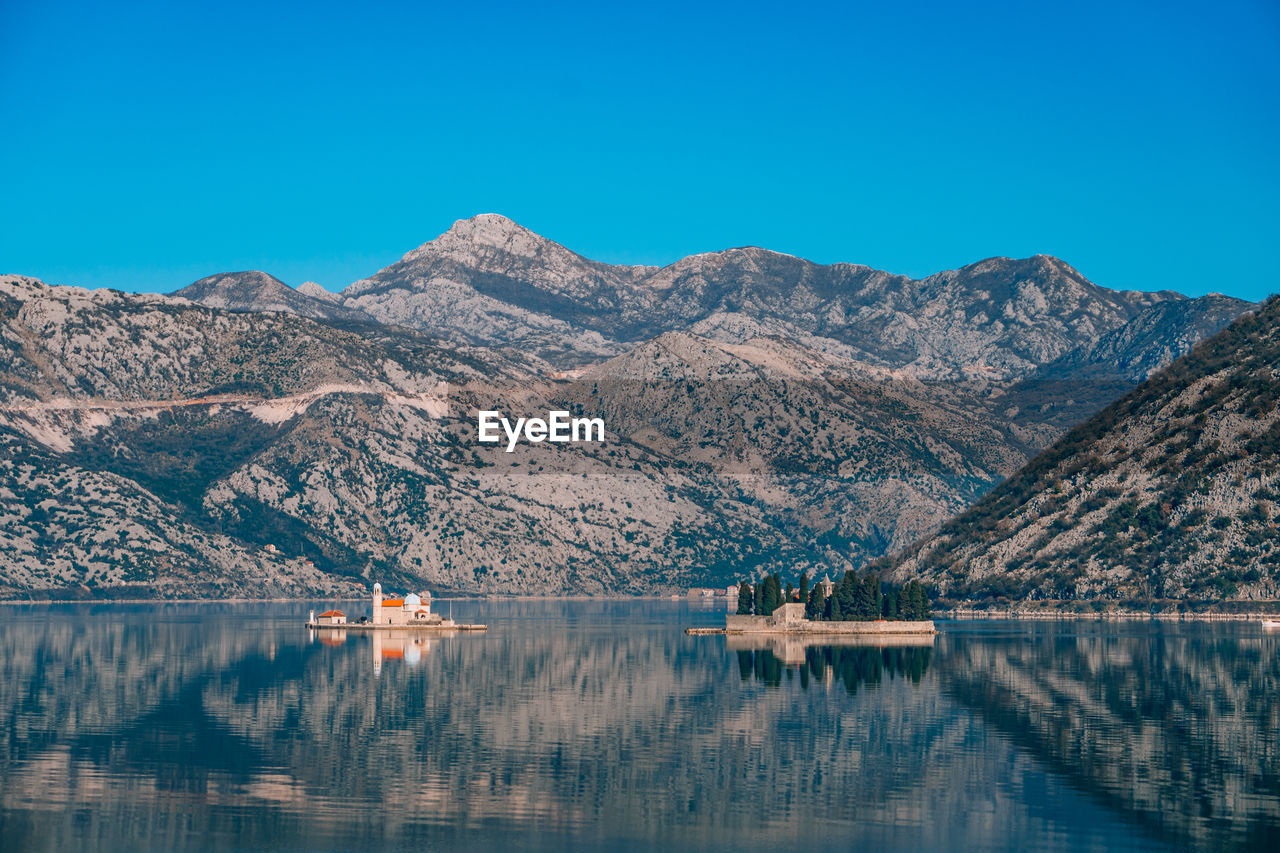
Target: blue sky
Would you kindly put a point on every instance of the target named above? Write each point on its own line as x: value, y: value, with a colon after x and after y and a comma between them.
x: 149, y: 144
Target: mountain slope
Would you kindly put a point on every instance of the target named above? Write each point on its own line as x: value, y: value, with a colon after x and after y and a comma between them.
x: 490, y: 281
x: 352, y: 454
x: 75, y: 344
x: 257, y: 291
x: 763, y: 412
x: 858, y: 465
x: 1159, y: 334
x: 1171, y: 492
x: 70, y: 532
x: 118, y: 413
x: 354, y: 449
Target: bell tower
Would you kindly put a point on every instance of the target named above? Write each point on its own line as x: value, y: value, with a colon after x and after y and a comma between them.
x: 377, y: 604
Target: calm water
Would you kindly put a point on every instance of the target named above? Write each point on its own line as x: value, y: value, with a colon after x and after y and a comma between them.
x: 591, y: 725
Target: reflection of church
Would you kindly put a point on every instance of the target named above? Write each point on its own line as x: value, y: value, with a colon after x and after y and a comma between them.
x: 405, y: 646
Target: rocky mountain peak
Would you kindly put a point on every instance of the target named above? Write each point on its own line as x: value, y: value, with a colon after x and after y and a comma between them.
x: 221, y: 290
x: 254, y: 290
x: 485, y: 231
x: 490, y: 281
x: 316, y: 291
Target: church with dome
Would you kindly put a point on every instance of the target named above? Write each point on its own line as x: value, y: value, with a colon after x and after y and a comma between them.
x: 412, y: 610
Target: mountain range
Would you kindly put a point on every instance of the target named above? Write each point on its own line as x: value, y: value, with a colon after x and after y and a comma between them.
x: 763, y: 413
x: 488, y: 281
x: 1170, y: 493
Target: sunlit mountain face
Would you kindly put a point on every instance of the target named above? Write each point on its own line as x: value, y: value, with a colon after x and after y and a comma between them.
x: 761, y: 413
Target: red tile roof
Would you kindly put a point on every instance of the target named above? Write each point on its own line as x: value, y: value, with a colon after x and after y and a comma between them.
x: 332, y: 613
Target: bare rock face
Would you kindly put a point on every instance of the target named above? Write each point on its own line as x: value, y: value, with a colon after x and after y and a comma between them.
x: 259, y: 292
x: 352, y: 453
x: 489, y: 281
x: 315, y: 291
x: 1154, y: 338
x: 1172, y: 492
x: 762, y: 412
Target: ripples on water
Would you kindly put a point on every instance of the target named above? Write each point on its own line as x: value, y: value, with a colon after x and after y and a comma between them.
x: 600, y: 725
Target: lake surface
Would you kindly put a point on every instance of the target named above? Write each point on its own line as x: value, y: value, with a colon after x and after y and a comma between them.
x: 601, y: 725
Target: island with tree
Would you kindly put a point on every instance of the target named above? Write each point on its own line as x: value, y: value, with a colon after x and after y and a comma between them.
x: 857, y: 604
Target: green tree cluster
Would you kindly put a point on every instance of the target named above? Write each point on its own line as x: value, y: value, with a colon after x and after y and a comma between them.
x: 766, y: 597
x: 814, y: 603
x: 912, y: 602
x: 857, y: 597
x: 854, y: 599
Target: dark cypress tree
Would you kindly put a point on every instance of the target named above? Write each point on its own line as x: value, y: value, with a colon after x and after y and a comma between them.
x: 922, y: 601
x: 906, y: 606
x: 745, y: 599
x: 759, y: 597
x: 804, y: 586
x: 913, y: 602
x: 814, y: 604
x: 834, y: 610
x: 846, y: 594
x: 791, y: 591
x: 772, y: 594
x: 890, y: 606
x: 863, y: 600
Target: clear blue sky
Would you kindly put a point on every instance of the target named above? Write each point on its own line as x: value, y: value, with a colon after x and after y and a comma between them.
x: 148, y: 144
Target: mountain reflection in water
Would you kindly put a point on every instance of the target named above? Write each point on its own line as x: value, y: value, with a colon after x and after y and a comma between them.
x: 601, y: 725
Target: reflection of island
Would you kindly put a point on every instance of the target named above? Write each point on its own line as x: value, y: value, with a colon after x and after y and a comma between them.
x: 407, y: 646
x: 847, y: 660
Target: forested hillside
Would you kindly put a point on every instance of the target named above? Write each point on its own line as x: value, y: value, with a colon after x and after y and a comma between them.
x: 1170, y: 493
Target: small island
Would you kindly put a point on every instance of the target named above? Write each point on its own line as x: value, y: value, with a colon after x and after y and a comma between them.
x: 412, y: 612
x: 857, y: 605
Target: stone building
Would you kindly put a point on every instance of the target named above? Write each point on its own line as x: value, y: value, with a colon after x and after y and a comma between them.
x: 411, y: 610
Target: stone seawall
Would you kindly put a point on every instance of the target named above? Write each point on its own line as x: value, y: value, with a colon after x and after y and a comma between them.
x: 735, y: 624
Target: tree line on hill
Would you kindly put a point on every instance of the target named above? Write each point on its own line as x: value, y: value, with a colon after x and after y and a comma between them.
x: 854, y: 598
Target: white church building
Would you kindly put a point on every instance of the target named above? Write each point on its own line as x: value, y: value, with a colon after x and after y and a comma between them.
x: 413, y: 609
